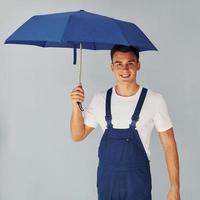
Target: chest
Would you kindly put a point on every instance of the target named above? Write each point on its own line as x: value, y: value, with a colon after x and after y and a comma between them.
x: 122, y: 112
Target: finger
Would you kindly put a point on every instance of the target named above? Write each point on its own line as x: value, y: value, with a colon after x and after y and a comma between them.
x: 77, y: 96
x: 77, y: 93
x: 80, y: 86
x: 79, y: 100
x: 78, y: 89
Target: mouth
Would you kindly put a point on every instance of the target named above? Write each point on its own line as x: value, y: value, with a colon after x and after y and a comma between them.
x: 125, y: 76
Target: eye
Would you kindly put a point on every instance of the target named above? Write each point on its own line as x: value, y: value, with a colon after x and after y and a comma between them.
x: 131, y: 64
x: 118, y: 65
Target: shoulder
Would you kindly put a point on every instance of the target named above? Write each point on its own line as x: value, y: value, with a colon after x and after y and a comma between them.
x: 154, y: 94
x: 99, y: 96
x: 155, y: 97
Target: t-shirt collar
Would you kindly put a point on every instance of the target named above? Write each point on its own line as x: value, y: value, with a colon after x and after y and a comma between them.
x: 132, y: 97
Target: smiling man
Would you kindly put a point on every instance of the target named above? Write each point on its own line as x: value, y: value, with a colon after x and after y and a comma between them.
x: 127, y: 114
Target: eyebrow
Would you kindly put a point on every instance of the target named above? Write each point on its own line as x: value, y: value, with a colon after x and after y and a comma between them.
x: 132, y: 60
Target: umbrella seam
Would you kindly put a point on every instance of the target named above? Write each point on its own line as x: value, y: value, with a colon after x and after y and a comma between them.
x: 68, y: 21
x: 120, y: 30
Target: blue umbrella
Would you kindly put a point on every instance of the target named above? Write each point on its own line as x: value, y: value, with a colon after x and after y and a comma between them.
x: 79, y: 30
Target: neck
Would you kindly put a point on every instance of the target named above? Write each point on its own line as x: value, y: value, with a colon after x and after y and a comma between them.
x: 126, y: 89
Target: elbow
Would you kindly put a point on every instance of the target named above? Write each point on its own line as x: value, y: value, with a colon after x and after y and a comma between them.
x: 77, y: 137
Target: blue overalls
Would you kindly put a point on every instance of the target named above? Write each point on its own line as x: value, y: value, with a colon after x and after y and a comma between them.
x: 123, y: 172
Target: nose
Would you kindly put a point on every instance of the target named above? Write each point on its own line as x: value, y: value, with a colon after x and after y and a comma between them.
x: 125, y: 66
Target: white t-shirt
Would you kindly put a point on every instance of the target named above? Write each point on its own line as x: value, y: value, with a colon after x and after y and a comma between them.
x: 154, y: 113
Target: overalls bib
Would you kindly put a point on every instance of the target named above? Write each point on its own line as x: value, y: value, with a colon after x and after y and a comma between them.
x: 123, y: 172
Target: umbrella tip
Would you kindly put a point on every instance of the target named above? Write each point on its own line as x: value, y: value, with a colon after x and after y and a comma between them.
x: 82, y: 10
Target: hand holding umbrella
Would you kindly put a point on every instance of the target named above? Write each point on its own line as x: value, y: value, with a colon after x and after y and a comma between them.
x: 77, y: 95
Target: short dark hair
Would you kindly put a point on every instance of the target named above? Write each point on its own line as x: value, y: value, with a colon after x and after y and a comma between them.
x: 123, y: 48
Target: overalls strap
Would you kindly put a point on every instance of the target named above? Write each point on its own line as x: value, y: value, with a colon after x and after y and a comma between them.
x: 108, y: 116
x: 136, y: 114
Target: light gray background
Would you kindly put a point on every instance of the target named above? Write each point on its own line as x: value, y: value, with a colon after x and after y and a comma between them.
x: 38, y: 159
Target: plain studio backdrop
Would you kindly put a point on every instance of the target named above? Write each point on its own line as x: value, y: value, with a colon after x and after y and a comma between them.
x: 38, y: 159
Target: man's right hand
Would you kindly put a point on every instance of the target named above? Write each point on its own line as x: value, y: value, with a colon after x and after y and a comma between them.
x: 79, y: 130
x: 77, y: 95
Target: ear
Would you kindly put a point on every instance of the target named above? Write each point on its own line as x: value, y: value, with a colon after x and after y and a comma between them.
x: 138, y: 66
x: 112, y: 67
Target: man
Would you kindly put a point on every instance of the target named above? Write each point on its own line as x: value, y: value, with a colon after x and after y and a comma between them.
x: 127, y: 113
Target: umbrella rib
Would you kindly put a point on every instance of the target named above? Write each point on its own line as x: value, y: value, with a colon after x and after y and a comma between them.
x: 95, y: 47
x: 45, y: 43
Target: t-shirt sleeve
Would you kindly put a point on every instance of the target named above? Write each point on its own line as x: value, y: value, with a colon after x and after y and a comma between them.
x: 162, y: 119
x: 90, y: 113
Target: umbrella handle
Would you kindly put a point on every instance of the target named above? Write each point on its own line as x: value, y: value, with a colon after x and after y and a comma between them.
x: 80, y: 106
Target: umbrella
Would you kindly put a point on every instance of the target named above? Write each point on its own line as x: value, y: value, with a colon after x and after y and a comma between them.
x: 79, y: 30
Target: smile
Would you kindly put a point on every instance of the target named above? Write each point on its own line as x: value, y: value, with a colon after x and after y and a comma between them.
x: 125, y: 76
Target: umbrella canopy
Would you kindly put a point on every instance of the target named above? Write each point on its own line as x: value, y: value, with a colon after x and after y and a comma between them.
x: 79, y: 29
x: 69, y: 29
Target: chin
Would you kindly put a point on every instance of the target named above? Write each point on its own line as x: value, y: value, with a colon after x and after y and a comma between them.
x: 130, y: 79
x: 126, y: 81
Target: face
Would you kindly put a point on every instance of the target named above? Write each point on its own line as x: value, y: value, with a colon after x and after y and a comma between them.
x: 125, y: 67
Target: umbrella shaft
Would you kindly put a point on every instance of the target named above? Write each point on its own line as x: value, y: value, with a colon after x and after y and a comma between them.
x: 79, y: 104
x: 80, y: 72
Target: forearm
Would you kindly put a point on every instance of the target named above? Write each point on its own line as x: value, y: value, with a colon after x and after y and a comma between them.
x: 172, y: 160
x: 77, y: 124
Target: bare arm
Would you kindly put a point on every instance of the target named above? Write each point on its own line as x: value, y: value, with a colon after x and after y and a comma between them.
x: 172, y: 160
x: 79, y: 130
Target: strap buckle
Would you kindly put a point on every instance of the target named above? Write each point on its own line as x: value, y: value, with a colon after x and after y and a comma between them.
x: 135, y: 118
x: 133, y: 124
x: 108, y: 119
